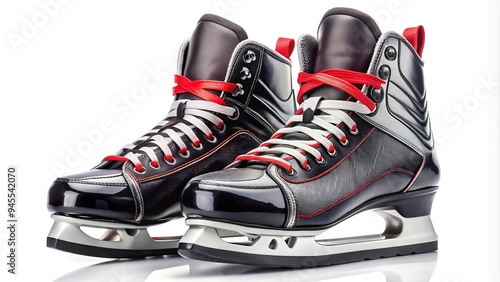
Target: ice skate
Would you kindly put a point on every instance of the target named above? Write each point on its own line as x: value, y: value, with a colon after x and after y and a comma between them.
x: 231, y: 94
x: 360, y: 141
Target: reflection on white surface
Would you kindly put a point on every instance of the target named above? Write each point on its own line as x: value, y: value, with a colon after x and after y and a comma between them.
x: 398, y: 269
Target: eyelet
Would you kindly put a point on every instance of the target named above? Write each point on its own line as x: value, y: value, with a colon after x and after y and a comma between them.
x: 308, y: 168
x: 222, y: 129
x: 384, y: 72
x: 322, y: 162
x: 372, y: 113
x: 154, y: 167
x: 390, y: 53
x: 238, y: 91
x: 333, y: 154
x: 376, y: 94
x: 185, y: 155
x: 211, y: 140
x: 344, y: 143
x: 171, y: 162
x: 199, y: 148
x: 140, y: 172
x: 354, y: 132
x: 236, y: 114
x: 291, y: 173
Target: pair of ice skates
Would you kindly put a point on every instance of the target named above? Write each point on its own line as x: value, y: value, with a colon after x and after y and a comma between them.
x: 258, y: 179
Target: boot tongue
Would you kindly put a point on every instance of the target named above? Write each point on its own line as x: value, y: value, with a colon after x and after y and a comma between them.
x: 210, y: 49
x: 346, y: 40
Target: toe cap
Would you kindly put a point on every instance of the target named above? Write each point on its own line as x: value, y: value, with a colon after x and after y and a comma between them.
x: 242, y: 195
x: 101, y: 193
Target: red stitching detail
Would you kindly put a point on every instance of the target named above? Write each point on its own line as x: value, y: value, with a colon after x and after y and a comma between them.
x: 333, y: 167
x: 355, y: 191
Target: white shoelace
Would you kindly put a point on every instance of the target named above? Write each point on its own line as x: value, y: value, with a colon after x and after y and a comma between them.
x: 330, y: 113
x: 194, y: 111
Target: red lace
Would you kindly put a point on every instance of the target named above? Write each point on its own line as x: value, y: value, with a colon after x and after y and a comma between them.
x: 340, y: 79
x: 199, y: 88
x: 337, y: 78
x: 262, y: 159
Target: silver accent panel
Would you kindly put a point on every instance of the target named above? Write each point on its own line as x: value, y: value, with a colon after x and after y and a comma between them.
x: 181, y: 57
x: 136, y: 192
x: 114, y: 179
x: 292, y: 203
x: 383, y: 119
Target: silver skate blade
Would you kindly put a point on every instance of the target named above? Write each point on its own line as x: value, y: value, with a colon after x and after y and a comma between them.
x: 119, y: 240
x: 290, y: 248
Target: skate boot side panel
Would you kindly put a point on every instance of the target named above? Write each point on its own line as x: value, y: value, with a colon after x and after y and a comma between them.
x: 387, y: 170
x: 402, y: 109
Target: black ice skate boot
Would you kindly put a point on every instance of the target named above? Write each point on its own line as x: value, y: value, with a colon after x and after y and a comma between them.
x: 359, y: 141
x: 231, y: 94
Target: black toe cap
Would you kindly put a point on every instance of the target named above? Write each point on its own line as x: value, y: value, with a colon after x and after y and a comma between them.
x: 96, y: 193
x: 237, y: 195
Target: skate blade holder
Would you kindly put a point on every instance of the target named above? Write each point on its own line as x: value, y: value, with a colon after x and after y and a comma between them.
x: 299, y: 248
x: 107, y: 239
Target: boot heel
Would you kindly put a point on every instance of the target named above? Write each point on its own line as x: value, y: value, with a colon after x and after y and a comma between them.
x: 415, y: 203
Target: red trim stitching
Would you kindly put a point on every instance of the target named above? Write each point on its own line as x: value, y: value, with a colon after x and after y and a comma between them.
x: 333, y: 167
x: 355, y: 191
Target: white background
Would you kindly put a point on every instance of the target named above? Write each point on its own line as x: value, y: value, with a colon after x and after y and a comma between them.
x: 69, y: 73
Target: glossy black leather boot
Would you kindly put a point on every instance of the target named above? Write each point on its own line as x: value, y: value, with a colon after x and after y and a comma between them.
x: 232, y: 93
x: 361, y: 140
